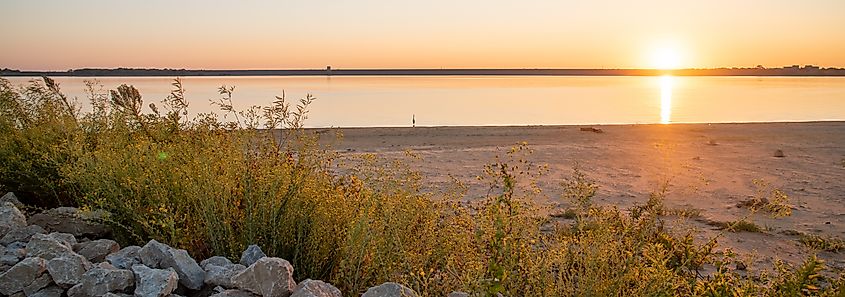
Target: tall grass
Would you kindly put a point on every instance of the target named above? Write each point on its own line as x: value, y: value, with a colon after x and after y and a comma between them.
x: 214, y: 186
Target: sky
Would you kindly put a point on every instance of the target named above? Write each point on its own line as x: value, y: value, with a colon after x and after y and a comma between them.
x: 252, y: 34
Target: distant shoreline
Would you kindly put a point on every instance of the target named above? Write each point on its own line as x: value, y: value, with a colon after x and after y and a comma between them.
x: 808, y: 70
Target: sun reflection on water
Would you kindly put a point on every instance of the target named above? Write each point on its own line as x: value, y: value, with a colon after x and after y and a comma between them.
x: 666, y: 83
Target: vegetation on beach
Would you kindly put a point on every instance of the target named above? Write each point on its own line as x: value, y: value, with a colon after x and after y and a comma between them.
x: 213, y: 186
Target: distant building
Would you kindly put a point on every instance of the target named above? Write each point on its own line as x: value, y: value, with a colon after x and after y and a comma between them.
x: 329, y: 70
x: 811, y: 67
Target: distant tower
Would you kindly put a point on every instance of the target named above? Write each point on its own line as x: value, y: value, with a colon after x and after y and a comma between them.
x: 329, y: 70
x: 413, y: 121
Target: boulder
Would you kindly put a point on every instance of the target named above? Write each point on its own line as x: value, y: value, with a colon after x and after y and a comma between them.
x: 153, y: 253
x: 390, y: 289
x: 72, y: 220
x: 11, y: 198
x: 268, y: 277
x: 68, y: 269
x: 125, y: 258
x: 315, y: 288
x: 21, y: 275
x: 68, y: 239
x: 49, y: 291
x: 154, y: 282
x: 47, y: 247
x: 190, y: 273
x: 458, y: 294
x: 39, y: 283
x: 222, y: 275
x: 99, y: 281
x: 97, y: 250
x: 216, y: 261
x: 21, y: 234
x: 251, y: 255
x: 778, y: 154
x: 10, y: 218
x: 233, y: 293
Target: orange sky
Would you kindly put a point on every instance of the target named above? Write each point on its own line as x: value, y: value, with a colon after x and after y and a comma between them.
x: 58, y: 35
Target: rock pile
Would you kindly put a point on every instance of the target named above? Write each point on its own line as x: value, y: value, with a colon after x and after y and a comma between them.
x: 34, y: 262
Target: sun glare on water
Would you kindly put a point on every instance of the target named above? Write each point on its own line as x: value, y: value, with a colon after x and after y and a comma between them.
x: 666, y: 83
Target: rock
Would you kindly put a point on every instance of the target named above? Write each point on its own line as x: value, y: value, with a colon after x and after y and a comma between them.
x: 234, y: 293
x: 68, y: 239
x: 315, y: 288
x: 222, y: 275
x: 268, y: 277
x: 97, y: 250
x: 99, y: 281
x: 46, y: 247
x: 9, y: 259
x: 39, y: 283
x: 116, y: 295
x: 11, y: 198
x: 49, y: 291
x: 153, y: 253
x: 21, y: 275
x: 778, y: 154
x: 21, y: 234
x: 390, y: 289
x: 251, y: 255
x: 125, y: 258
x: 458, y: 294
x: 10, y: 218
x: 72, y: 220
x: 68, y: 269
x: 190, y: 273
x: 216, y: 261
x: 740, y: 265
x: 154, y: 282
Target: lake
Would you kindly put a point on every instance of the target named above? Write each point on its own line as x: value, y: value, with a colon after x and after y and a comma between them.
x: 366, y: 101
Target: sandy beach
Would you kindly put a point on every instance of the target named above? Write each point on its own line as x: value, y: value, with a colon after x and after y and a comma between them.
x: 709, y: 167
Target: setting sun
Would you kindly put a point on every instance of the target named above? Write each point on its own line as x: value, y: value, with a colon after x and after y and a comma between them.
x: 666, y: 57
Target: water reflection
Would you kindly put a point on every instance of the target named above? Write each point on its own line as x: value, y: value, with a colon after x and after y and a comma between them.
x: 666, y: 83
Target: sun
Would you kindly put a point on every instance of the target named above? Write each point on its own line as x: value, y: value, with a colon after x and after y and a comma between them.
x: 666, y: 57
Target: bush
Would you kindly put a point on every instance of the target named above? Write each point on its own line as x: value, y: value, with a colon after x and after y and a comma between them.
x: 213, y: 187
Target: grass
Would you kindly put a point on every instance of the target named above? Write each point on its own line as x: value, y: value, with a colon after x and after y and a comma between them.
x: 822, y: 243
x: 213, y: 187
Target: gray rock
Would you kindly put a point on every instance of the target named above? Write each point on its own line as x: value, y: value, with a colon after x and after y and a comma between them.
x: 116, y: 295
x: 21, y: 234
x: 153, y: 253
x: 390, y: 289
x: 73, y: 221
x: 234, y: 293
x: 251, y: 255
x: 125, y: 258
x: 9, y: 259
x: 68, y: 239
x: 778, y: 154
x: 154, y: 282
x: 21, y: 275
x: 190, y: 273
x: 10, y: 218
x: 458, y: 294
x: 39, y: 283
x: 315, y: 288
x: 68, y: 269
x: 49, y: 291
x: 216, y: 260
x: 97, y: 250
x: 268, y: 277
x: 99, y: 281
x: 222, y: 275
x: 46, y: 247
x: 11, y: 198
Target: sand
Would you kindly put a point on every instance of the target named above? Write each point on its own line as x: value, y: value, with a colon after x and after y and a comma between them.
x: 709, y: 167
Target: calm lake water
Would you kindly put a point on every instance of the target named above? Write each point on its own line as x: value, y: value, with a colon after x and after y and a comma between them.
x: 513, y: 100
